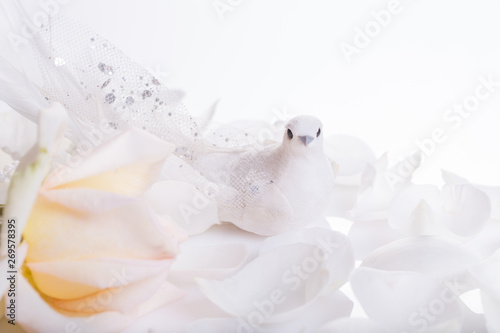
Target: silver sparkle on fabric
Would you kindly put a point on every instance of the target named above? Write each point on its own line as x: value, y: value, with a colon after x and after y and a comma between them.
x: 104, y: 85
x: 106, y: 69
x: 129, y: 100
x: 110, y: 98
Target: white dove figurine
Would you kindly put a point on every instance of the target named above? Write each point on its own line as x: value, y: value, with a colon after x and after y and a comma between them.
x: 273, y: 188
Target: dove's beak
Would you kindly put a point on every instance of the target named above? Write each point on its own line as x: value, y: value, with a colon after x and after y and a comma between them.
x: 306, y: 139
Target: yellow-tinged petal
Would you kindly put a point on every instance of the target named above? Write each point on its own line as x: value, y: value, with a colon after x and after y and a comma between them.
x: 74, y: 279
x: 37, y: 314
x: 124, y: 300
x: 132, y: 231
x: 127, y: 164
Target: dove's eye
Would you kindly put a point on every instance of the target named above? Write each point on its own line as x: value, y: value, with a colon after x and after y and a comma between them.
x: 319, y: 132
x: 290, y: 134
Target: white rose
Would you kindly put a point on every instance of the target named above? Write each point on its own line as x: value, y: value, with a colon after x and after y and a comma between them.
x: 96, y: 254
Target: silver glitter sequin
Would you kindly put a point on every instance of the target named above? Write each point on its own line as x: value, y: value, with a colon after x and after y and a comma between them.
x: 129, y: 100
x: 110, y: 98
x: 105, y: 83
x: 106, y: 69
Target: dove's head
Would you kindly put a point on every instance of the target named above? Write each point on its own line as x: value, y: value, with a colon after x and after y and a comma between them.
x: 303, y: 133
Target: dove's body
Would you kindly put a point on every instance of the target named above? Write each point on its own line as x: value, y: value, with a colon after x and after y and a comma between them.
x: 274, y: 188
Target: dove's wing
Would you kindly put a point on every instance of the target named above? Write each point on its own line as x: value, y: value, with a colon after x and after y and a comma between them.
x: 268, y: 214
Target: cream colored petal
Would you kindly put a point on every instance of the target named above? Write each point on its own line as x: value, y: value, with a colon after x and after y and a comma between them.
x: 38, y: 316
x: 55, y: 232
x: 87, y: 200
x: 75, y: 279
x: 126, y: 300
x: 126, y: 164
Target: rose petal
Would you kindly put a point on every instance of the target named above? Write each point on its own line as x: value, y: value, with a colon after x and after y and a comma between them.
x: 351, y: 154
x: 487, y: 241
x: 486, y: 274
x: 413, y: 209
x: 37, y: 313
x: 404, y: 301
x: 342, y: 201
x: 175, y: 317
x: 453, y: 179
x: 86, y: 200
x: 126, y: 164
x: 191, y: 209
x: 352, y: 325
x: 491, y: 307
x: 429, y: 255
x: 324, y: 308
x: 466, y: 209
x: 125, y: 299
x: 74, y: 279
x: 213, y: 261
x: 375, y: 189
x: 367, y: 236
x: 493, y: 192
x: 132, y: 231
x: 286, y: 277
